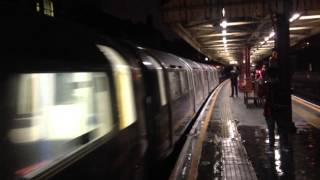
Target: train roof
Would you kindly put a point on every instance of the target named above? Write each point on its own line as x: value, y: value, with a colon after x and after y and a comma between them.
x: 193, y: 64
x: 167, y: 60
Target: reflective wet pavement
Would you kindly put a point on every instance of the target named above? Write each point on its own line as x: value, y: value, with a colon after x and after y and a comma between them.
x: 302, y: 162
x: 223, y: 154
x: 186, y: 167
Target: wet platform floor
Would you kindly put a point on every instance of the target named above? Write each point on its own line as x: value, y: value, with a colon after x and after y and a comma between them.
x: 236, y: 144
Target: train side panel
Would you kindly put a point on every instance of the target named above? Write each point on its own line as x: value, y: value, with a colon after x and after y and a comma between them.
x: 181, y: 107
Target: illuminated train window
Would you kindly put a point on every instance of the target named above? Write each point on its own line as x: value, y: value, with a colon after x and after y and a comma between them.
x: 184, y: 82
x: 56, y: 114
x: 175, y: 84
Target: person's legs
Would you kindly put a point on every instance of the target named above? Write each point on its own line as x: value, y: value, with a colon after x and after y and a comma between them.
x: 236, y: 88
x: 271, y: 125
x: 232, y: 90
x: 283, y: 130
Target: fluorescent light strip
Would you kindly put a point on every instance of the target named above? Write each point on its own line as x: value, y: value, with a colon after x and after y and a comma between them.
x: 240, y: 23
x: 294, y: 17
x: 227, y: 34
x: 218, y: 41
x: 220, y: 45
x: 299, y: 28
x: 309, y: 17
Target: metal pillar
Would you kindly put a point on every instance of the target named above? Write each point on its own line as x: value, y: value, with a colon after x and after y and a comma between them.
x: 282, y: 46
x: 245, y: 71
x: 247, y: 54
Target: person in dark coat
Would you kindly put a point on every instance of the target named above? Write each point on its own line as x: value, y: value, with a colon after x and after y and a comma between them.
x: 234, y: 81
x: 273, y: 110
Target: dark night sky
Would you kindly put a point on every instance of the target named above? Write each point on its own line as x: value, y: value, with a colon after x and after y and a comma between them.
x: 138, y: 11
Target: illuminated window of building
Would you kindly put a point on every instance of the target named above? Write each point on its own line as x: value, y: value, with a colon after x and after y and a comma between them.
x: 48, y: 8
x: 38, y: 7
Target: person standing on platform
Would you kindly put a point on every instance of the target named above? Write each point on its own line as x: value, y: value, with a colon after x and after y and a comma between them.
x: 234, y: 81
x: 273, y: 108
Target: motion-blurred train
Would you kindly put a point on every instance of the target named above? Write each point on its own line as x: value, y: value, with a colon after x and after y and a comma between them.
x: 78, y: 105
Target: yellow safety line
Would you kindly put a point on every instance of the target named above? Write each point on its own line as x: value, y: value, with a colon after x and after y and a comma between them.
x: 308, y: 116
x: 306, y: 103
x: 198, y: 148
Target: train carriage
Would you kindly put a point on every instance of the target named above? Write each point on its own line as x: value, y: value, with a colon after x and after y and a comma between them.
x: 178, y: 90
x: 77, y: 105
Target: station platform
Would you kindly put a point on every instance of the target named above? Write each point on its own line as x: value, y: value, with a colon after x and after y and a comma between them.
x: 231, y: 143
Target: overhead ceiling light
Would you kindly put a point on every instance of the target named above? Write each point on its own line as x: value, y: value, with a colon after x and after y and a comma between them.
x: 300, y: 28
x: 294, y: 17
x: 206, y: 58
x: 224, y: 32
x: 224, y: 39
x: 233, y: 62
x: 203, y: 26
x: 229, y: 44
x: 224, y: 24
x: 240, y: 23
x: 265, y: 48
x: 146, y: 63
x: 223, y: 12
x: 266, y: 38
x: 310, y: 17
x: 271, y: 34
x: 217, y: 41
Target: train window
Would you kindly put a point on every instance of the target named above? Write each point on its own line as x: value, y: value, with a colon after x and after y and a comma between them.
x: 160, y: 77
x: 195, y: 78
x: 175, y: 85
x: 184, y: 82
x: 56, y: 114
x: 199, y: 79
x: 210, y: 77
x: 124, y: 87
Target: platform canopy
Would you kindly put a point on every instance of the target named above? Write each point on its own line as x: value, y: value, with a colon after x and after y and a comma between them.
x: 221, y: 29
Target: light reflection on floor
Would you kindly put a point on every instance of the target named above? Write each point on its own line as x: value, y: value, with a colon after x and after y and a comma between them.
x: 302, y: 162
